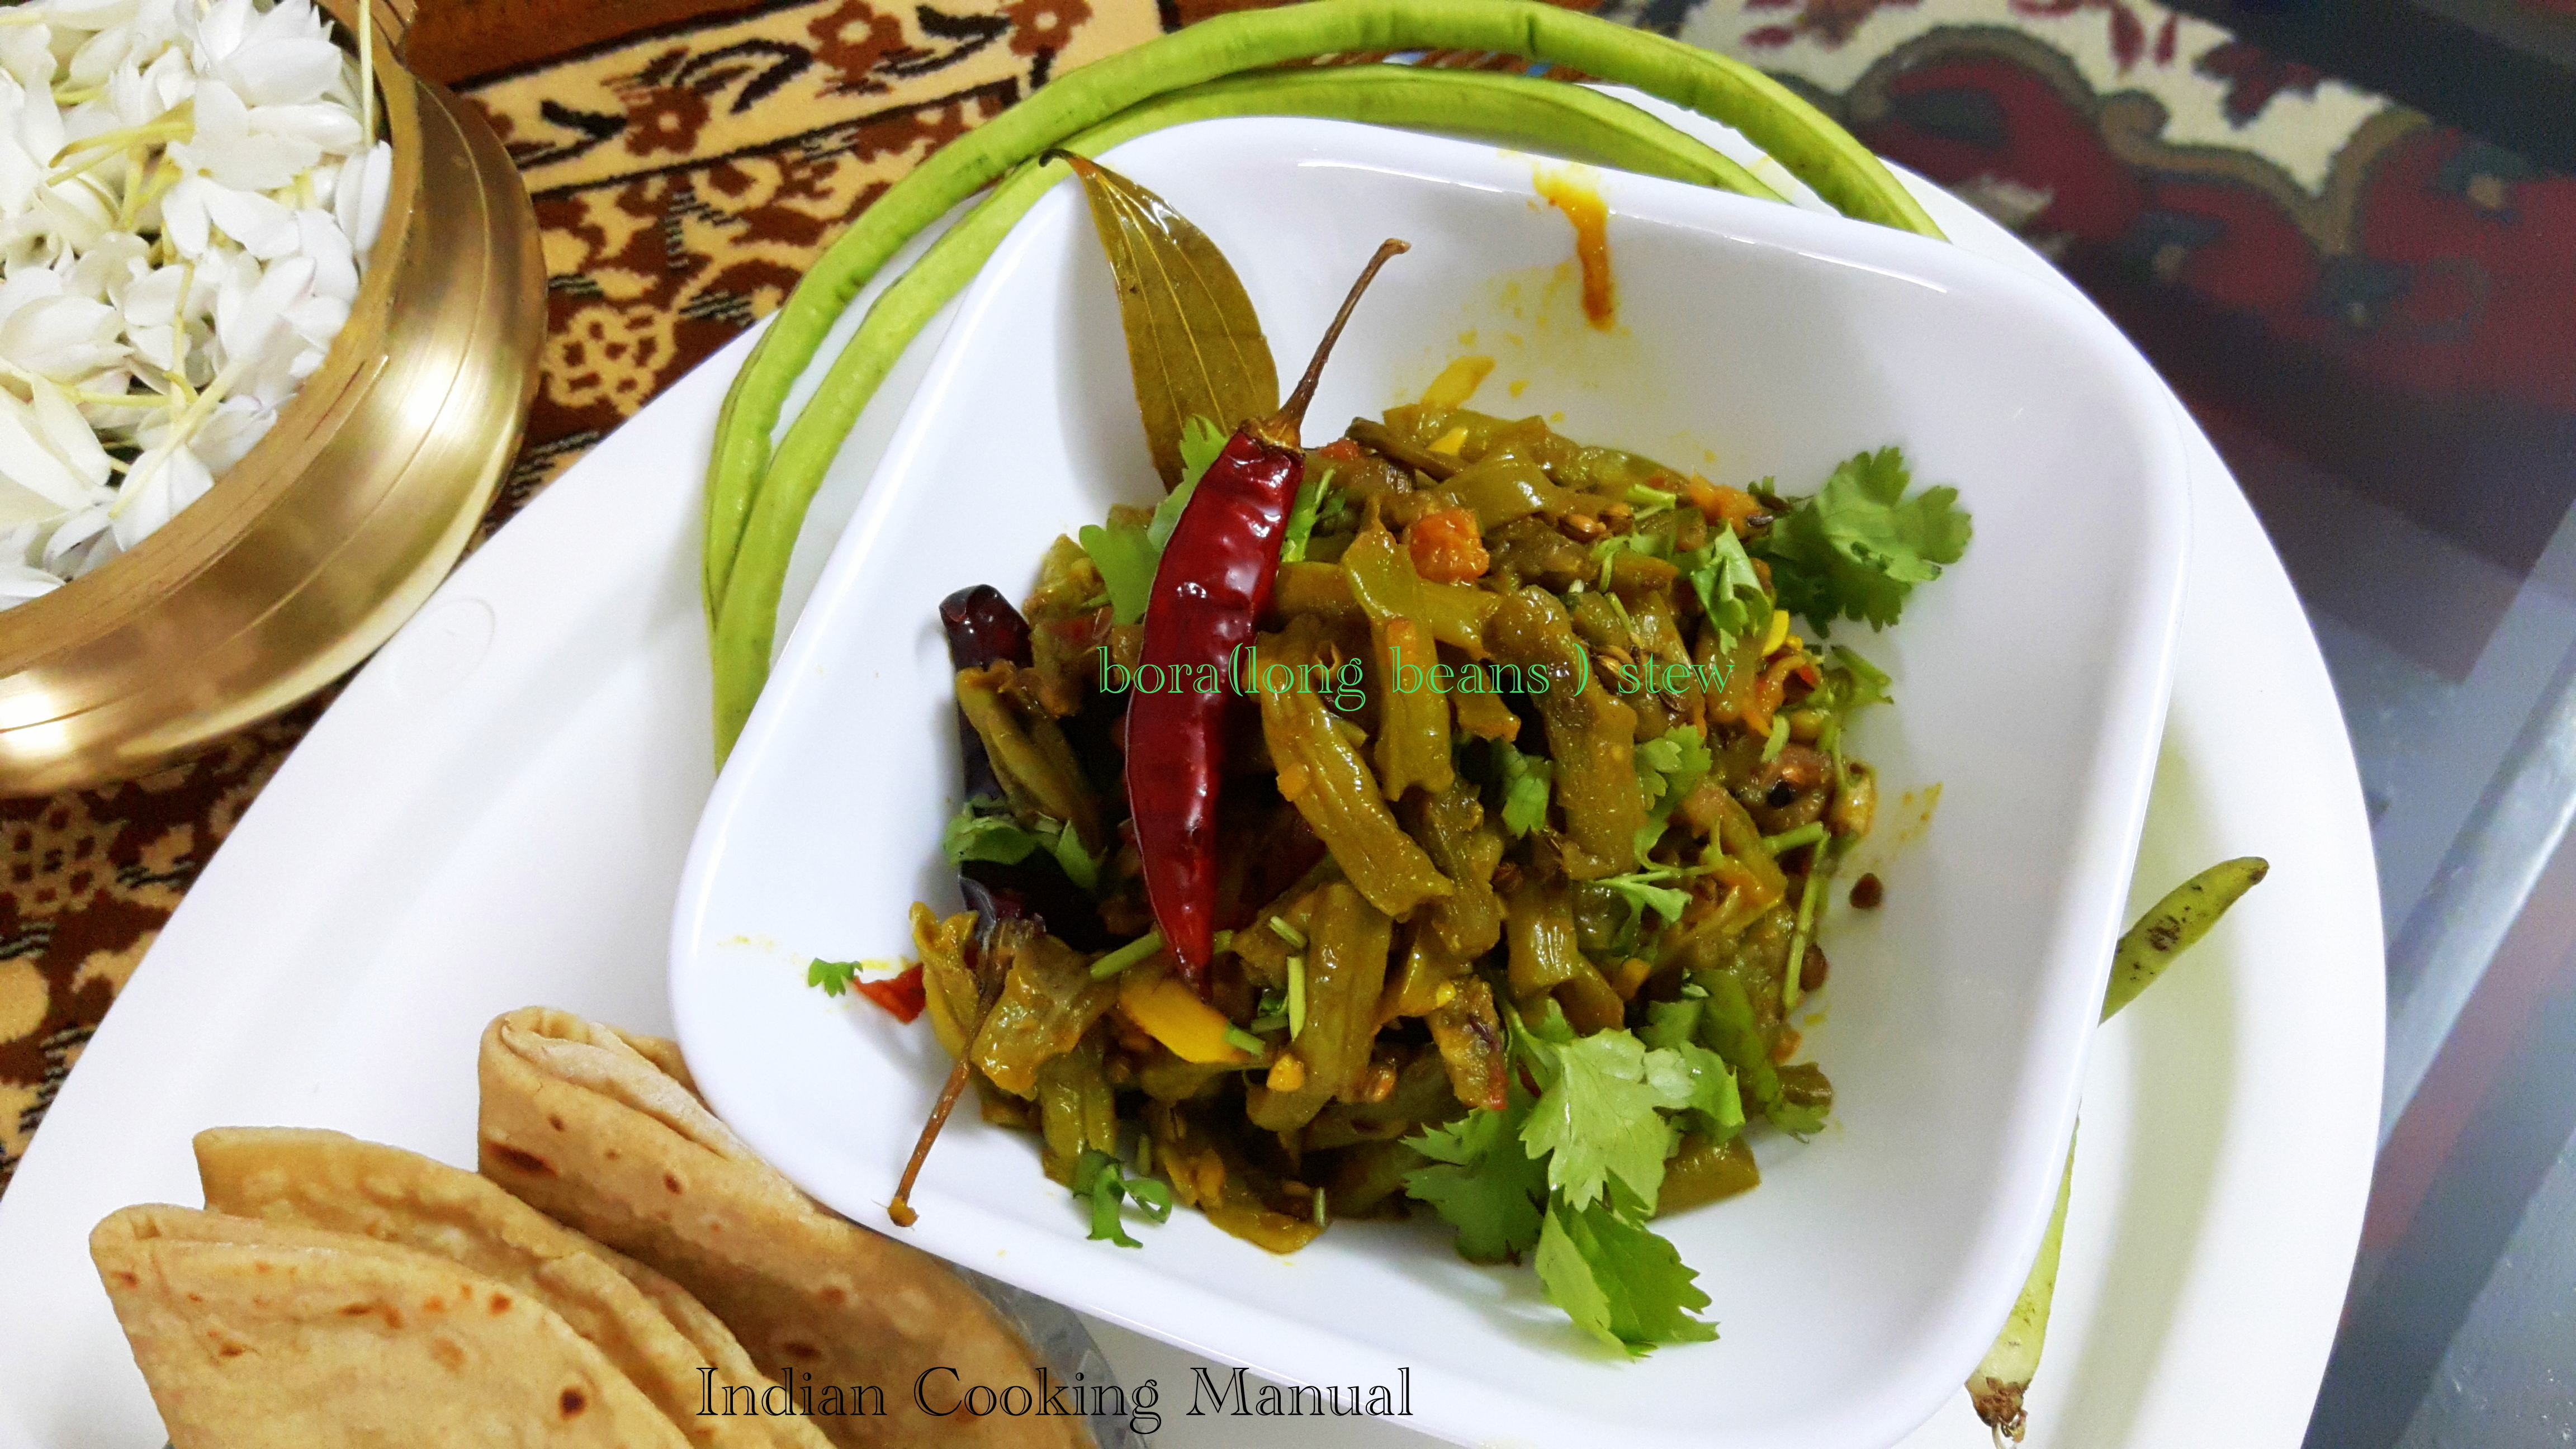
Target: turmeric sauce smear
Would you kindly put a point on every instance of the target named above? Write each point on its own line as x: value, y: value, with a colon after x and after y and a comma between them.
x: 1591, y: 217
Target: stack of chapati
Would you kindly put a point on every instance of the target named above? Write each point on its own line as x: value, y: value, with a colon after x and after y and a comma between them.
x: 622, y: 1271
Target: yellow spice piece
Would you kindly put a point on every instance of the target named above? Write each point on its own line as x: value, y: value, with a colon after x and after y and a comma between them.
x: 1451, y: 442
x: 1287, y: 1074
x: 1457, y: 382
x: 1172, y: 1014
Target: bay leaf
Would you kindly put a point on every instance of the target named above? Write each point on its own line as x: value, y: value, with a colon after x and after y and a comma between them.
x: 1194, y: 343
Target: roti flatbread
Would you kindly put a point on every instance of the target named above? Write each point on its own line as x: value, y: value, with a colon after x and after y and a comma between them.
x: 585, y: 1124
x: 665, y: 1342
x: 258, y: 1335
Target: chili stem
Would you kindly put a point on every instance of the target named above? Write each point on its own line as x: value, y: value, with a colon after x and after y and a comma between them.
x: 1282, y: 429
x: 900, y: 1211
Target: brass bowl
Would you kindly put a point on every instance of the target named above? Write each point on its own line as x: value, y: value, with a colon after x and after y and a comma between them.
x: 313, y: 549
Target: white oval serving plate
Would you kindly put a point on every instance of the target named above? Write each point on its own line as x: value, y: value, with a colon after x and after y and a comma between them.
x: 495, y: 812
x: 1855, y: 1289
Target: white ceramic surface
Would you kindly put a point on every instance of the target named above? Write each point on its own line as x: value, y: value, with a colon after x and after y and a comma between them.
x: 495, y: 812
x: 1858, y: 1286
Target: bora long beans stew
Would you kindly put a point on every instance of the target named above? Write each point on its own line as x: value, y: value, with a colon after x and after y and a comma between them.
x: 1435, y: 820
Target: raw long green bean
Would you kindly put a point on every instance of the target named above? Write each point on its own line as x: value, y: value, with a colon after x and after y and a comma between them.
x: 1803, y: 140
x: 2172, y: 926
x: 1594, y: 126
x: 746, y: 572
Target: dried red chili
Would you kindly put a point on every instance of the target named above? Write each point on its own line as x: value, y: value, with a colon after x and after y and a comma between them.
x: 1209, y: 593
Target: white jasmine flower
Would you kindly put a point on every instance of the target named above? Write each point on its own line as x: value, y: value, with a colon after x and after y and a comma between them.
x: 364, y: 183
x: 280, y: 56
x: 61, y: 337
x: 31, y: 131
x: 49, y: 456
x: 104, y: 271
x: 76, y: 537
x: 187, y: 198
x: 320, y: 238
x: 21, y: 582
x: 163, y: 481
x: 159, y: 308
x: 27, y: 54
x: 227, y: 433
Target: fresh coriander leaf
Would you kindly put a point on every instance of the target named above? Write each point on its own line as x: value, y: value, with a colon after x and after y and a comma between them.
x: 1701, y: 1085
x: 1671, y: 1022
x: 1128, y: 554
x: 1654, y: 757
x: 1127, y: 560
x: 1730, y: 591
x: 1726, y: 1026
x: 1619, y: 1282
x: 1567, y: 1275
x: 1858, y: 548
x: 1607, y: 551
x: 1482, y: 1181
x: 1106, y: 1191
x: 982, y: 830
x: 1201, y: 441
x: 1301, y: 518
x: 1153, y: 1198
x: 1642, y: 891
x: 1087, y: 1170
x: 1671, y: 765
x: 1526, y: 781
x: 1535, y: 1036
x: 1597, y: 1119
x: 833, y: 976
x: 1862, y: 682
x: 1102, y: 1180
x: 1866, y: 514
x: 1799, y: 1120
x: 1080, y: 865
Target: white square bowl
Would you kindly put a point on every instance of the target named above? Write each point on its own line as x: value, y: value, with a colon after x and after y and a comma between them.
x: 1858, y: 1285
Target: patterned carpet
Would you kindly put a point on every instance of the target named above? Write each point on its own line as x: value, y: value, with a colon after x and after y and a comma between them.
x: 2336, y: 283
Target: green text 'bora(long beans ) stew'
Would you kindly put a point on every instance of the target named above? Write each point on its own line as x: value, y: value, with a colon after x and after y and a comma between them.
x: 1437, y: 818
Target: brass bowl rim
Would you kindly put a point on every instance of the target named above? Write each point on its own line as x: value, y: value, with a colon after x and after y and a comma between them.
x: 135, y: 582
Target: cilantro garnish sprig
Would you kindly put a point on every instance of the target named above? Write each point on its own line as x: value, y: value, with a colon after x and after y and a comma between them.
x: 1128, y: 554
x: 985, y: 829
x: 836, y: 977
x: 1570, y: 1176
x: 1859, y: 546
x: 1102, y: 1181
